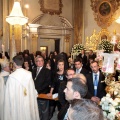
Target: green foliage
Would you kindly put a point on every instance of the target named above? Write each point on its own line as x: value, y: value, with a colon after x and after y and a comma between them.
x: 106, y: 46
x: 78, y: 48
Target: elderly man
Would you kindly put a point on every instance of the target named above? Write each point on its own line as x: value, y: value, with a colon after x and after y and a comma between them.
x: 42, y: 80
x: 20, y: 94
x: 84, y: 109
x: 5, y: 69
x: 75, y: 89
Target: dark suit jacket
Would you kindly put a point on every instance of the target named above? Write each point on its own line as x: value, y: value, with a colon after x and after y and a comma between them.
x: 63, y: 111
x: 42, y: 81
x: 84, y: 59
x: 83, y: 71
x: 101, y: 86
x: 93, y: 56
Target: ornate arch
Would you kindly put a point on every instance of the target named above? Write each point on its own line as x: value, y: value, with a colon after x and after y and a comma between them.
x: 65, y: 23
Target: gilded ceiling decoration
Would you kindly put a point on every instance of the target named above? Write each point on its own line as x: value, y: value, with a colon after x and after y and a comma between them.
x: 104, y: 11
x: 51, y: 6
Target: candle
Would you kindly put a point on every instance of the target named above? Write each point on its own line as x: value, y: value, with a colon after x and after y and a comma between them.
x: 114, y: 39
x: 118, y: 64
x: 3, y: 50
x: 71, y: 55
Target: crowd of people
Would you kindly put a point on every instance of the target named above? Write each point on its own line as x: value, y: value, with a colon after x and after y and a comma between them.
x: 78, y: 85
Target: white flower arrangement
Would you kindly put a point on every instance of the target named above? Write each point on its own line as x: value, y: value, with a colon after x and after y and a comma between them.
x: 77, y: 48
x: 110, y: 107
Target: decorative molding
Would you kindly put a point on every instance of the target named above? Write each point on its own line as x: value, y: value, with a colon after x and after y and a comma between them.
x: 104, y: 32
x: 104, y: 11
x: 67, y: 38
x: 92, y: 42
x: 51, y: 6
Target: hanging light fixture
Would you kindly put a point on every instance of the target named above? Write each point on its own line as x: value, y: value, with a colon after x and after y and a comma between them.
x: 16, y: 16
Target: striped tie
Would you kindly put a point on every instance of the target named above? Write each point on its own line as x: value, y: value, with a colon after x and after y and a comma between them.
x: 95, y: 85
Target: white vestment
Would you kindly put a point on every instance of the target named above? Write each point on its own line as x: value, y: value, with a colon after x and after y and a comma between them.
x: 20, y: 97
x: 2, y: 89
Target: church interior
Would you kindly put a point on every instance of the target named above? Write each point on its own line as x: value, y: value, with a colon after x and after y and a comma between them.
x: 84, y: 29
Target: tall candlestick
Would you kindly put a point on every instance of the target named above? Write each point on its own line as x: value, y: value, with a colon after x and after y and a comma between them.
x: 3, y: 50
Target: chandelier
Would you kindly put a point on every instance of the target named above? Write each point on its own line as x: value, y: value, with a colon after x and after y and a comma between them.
x: 16, y: 16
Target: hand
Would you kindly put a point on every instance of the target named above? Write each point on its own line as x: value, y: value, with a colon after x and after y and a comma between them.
x: 49, y: 94
x: 95, y: 99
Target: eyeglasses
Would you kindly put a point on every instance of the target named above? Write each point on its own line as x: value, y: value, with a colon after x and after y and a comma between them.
x: 77, y: 64
x: 70, y: 74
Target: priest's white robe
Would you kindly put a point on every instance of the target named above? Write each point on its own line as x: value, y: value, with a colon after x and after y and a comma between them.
x: 2, y: 90
x: 20, y: 97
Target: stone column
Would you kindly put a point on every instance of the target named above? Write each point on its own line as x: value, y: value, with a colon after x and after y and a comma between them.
x: 1, y: 23
x: 1, y: 14
x: 78, y: 20
x: 7, y: 6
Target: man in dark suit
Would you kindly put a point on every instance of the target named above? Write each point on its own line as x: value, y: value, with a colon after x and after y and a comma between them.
x: 79, y: 68
x: 91, y: 55
x: 42, y: 78
x: 75, y: 89
x: 96, y: 88
x: 83, y: 57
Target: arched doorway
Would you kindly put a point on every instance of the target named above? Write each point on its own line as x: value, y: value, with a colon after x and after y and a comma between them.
x: 48, y: 29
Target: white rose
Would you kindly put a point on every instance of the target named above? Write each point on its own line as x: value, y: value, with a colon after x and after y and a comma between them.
x: 106, y: 103
x: 115, y: 92
x: 106, y: 108
x: 110, y: 100
x: 117, y: 100
x: 111, y: 109
x: 108, y: 95
x: 114, y: 103
x: 103, y: 99
x: 111, y: 116
x: 103, y: 108
x: 105, y: 114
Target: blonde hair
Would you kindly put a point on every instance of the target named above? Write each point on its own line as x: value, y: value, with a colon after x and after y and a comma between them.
x: 81, y: 77
x: 4, y: 63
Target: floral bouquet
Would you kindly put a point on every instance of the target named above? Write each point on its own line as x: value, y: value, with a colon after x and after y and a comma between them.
x: 106, y: 46
x: 77, y: 48
x: 110, y: 107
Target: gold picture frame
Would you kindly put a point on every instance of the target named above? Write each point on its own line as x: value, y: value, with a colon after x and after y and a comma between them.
x: 51, y: 6
x: 104, y: 32
x: 104, y: 11
x: 104, y: 8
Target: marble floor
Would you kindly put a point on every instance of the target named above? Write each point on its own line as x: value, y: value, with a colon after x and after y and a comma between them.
x: 55, y: 115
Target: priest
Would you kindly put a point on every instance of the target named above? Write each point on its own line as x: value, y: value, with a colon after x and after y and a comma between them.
x: 2, y: 89
x: 20, y: 94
